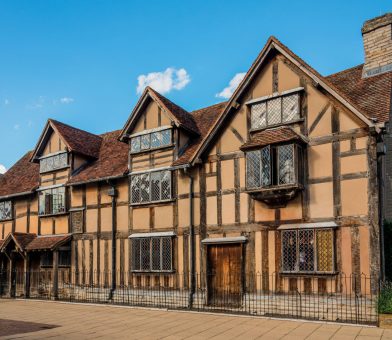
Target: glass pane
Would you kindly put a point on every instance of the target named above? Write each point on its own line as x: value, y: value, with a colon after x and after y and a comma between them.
x: 258, y: 115
x: 144, y: 188
x: 166, y: 253
x: 135, y: 189
x: 156, y: 139
x: 324, y: 240
x: 166, y: 185
x: 286, y: 164
x: 274, y: 107
x: 291, y: 107
x: 2, y: 211
x: 265, y: 166
x: 145, y: 253
x: 135, y: 144
x: 155, y: 178
x: 306, y: 250
x: 166, y: 137
x: 253, y: 164
x: 56, y: 162
x: 156, y: 253
x: 289, y: 250
x: 41, y: 203
x: 43, y: 166
x: 63, y: 160
x: 145, y: 142
x: 135, y: 254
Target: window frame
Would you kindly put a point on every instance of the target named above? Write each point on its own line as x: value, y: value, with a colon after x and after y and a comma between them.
x: 315, y: 251
x: 150, y: 184
x: 42, y: 192
x: 53, y: 155
x: 149, y: 135
x: 274, y: 168
x: 150, y: 239
x: 11, y: 210
x: 266, y: 101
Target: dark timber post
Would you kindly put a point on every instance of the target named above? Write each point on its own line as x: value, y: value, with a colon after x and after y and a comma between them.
x: 12, y: 277
x: 113, y: 194
x: 56, y: 274
x: 27, y: 276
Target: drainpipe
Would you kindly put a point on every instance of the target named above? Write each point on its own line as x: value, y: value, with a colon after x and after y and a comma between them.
x: 192, y: 242
x: 112, y: 192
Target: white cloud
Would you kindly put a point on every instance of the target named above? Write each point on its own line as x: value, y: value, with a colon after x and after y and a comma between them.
x: 66, y: 100
x: 233, y: 84
x: 164, y: 82
x: 2, y: 169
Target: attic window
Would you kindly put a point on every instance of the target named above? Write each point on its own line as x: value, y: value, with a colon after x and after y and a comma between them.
x: 5, y: 210
x: 53, y: 162
x: 152, y: 140
x: 274, y: 111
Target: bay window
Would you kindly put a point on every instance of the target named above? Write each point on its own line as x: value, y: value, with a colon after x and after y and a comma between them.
x: 308, y: 250
x: 52, y: 201
x: 151, y: 187
x: 5, y: 210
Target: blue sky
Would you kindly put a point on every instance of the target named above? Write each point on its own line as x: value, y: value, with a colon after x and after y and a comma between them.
x: 83, y: 62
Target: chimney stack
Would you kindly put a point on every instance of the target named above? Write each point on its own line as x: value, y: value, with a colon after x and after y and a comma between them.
x: 377, y: 42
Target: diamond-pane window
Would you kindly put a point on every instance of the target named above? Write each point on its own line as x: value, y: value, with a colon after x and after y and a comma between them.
x: 5, y: 210
x: 135, y: 144
x: 166, y: 185
x: 152, y: 254
x: 286, y: 164
x: 156, y: 139
x: 155, y: 179
x: 274, y: 109
x: 145, y: 188
x: 308, y: 250
x: 166, y: 137
x: 253, y: 164
x: 259, y: 115
x: 145, y: 142
x: 54, y: 162
x: 290, y: 107
x: 265, y: 166
x: 52, y: 201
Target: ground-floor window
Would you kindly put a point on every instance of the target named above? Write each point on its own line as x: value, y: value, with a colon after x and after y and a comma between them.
x: 308, y: 250
x: 152, y: 254
x: 64, y: 258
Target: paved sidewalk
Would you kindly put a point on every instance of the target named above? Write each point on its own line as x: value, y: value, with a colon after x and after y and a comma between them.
x: 38, y: 320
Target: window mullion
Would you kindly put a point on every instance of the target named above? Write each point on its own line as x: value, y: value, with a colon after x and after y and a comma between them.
x: 315, y: 266
x: 297, y: 250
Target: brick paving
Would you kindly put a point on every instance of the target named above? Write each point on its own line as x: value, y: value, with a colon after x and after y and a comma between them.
x: 29, y: 319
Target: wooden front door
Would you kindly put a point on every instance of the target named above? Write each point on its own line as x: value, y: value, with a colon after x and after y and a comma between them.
x: 224, y: 275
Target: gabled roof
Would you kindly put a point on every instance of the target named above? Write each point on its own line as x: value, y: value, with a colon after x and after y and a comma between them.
x: 21, y: 240
x: 274, y: 44
x: 76, y: 140
x: 112, y: 161
x: 180, y: 116
x: 372, y: 95
x: 47, y: 242
x: 273, y: 136
x: 21, y: 178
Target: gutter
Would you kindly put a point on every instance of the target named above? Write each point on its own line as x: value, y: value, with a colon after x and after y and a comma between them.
x: 192, y: 241
x: 18, y: 194
x: 95, y: 180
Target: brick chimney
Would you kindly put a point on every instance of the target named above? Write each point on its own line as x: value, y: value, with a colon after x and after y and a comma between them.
x: 377, y: 42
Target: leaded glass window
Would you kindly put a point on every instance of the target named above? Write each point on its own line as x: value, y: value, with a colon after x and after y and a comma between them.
x: 274, y: 111
x: 52, y: 201
x: 152, y: 254
x: 151, y: 140
x: 286, y: 170
x: 151, y: 187
x: 54, y: 162
x: 5, y: 210
x: 308, y: 250
x: 258, y: 168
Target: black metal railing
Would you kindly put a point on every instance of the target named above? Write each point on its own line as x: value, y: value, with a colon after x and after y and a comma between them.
x: 340, y: 298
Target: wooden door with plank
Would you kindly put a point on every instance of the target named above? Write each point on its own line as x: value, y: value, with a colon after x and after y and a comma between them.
x: 224, y: 276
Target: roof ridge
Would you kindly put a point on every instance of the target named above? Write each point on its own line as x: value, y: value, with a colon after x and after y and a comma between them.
x: 343, y: 71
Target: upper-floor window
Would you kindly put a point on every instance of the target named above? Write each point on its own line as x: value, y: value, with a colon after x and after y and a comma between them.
x: 151, y: 187
x: 53, y: 162
x: 275, y: 111
x: 308, y: 250
x: 152, y: 254
x: 272, y: 165
x: 52, y: 201
x: 151, y: 140
x: 5, y: 210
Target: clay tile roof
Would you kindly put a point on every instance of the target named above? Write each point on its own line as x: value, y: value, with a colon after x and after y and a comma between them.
x: 112, y: 160
x: 371, y: 95
x: 21, y: 239
x: 49, y: 242
x: 185, y: 119
x: 273, y: 136
x: 22, y: 177
x: 79, y: 141
x: 204, y: 119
